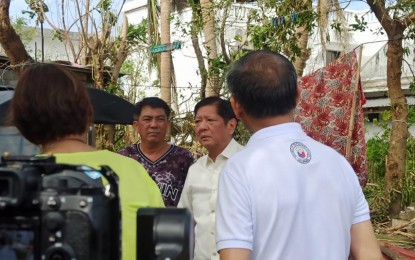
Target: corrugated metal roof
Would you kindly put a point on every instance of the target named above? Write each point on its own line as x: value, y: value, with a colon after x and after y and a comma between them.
x: 384, y: 102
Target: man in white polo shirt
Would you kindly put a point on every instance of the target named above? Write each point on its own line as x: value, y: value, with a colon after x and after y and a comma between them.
x: 285, y: 196
x: 215, y: 124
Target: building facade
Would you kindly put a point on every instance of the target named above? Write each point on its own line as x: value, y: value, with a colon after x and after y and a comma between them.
x: 373, y: 60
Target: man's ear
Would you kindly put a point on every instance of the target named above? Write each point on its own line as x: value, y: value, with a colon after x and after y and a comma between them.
x: 231, y: 125
x: 236, y: 107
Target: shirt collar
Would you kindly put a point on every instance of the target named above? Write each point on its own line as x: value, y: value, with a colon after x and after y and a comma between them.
x: 230, y: 149
x: 292, y: 129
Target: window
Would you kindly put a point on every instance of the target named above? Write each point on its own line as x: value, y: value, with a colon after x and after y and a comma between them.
x: 331, y: 56
x: 373, y: 117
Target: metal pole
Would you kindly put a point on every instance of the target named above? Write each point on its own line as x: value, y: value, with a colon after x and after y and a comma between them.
x: 42, y: 40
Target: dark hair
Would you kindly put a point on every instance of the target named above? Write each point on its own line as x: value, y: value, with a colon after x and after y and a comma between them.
x: 264, y: 83
x: 153, y: 102
x: 50, y: 103
x: 224, y: 107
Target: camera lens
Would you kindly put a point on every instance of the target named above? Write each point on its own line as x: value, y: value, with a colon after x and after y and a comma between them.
x: 63, y: 252
x: 59, y: 255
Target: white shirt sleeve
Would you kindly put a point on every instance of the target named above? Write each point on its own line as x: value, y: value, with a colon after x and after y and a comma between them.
x: 185, y: 200
x: 234, y: 219
x: 361, y: 212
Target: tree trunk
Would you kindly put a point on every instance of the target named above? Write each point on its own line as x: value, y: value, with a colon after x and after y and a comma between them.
x: 209, y: 32
x: 396, y: 158
x: 300, y: 62
x: 225, y: 15
x: 165, y: 66
x: 303, y: 35
x: 83, y: 36
x: 10, y: 41
x: 194, y: 29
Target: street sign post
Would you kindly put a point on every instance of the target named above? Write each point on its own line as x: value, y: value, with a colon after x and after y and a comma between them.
x: 165, y: 47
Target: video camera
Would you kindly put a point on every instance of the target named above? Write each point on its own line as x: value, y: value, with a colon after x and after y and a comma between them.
x: 164, y: 234
x: 53, y: 211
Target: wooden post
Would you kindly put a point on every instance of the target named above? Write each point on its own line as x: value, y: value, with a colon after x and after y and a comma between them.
x: 356, y: 91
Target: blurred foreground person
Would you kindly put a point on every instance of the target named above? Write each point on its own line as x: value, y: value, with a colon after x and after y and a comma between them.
x: 52, y: 108
x: 215, y: 124
x: 286, y: 196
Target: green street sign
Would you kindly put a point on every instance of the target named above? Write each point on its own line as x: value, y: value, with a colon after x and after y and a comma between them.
x: 165, y: 47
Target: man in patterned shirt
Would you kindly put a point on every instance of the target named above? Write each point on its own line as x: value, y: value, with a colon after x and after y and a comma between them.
x: 166, y: 163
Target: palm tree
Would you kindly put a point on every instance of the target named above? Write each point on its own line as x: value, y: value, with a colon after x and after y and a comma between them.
x: 165, y: 60
x: 159, y: 18
x: 209, y: 31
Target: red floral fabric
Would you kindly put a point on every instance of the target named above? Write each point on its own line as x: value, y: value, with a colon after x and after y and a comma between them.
x: 325, y: 109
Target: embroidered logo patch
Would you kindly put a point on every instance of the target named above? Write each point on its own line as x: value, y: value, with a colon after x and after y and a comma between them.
x: 300, y: 152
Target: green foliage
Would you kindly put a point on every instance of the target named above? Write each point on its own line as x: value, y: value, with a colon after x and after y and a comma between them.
x: 37, y: 5
x: 408, y: 184
x: 105, y: 5
x: 218, y: 67
x: 336, y: 26
x: 58, y: 34
x: 19, y: 23
x: 406, y: 51
x: 135, y: 70
x: 37, y: 8
x: 360, y: 25
x: 120, y: 132
x: 183, y: 130
x: 26, y: 33
x: 408, y: 190
x: 377, y: 149
x: 278, y: 31
x: 104, y: 9
x: 127, y: 67
x: 411, y: 114
x: 241, y: 134
x: 137, y: 34
x: 410, y: 33
x: 378, y: 202
x: 386, y: 116
x: 412, y: 86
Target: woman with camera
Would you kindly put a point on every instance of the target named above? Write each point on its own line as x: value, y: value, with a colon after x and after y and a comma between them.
x: 52, y: 108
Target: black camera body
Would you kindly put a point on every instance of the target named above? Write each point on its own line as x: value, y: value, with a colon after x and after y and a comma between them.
x: 164, y: 233
x: 58, y: 211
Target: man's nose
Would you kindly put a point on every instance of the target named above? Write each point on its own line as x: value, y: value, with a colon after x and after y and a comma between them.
x: 202, y: 125
x: 153, y: 123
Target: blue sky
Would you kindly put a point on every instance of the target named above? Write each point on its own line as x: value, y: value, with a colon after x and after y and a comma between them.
x: 354, y: 5
x: 16, y: 6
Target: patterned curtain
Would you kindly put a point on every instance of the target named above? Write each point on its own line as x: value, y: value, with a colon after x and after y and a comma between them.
x: 330, y: 110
